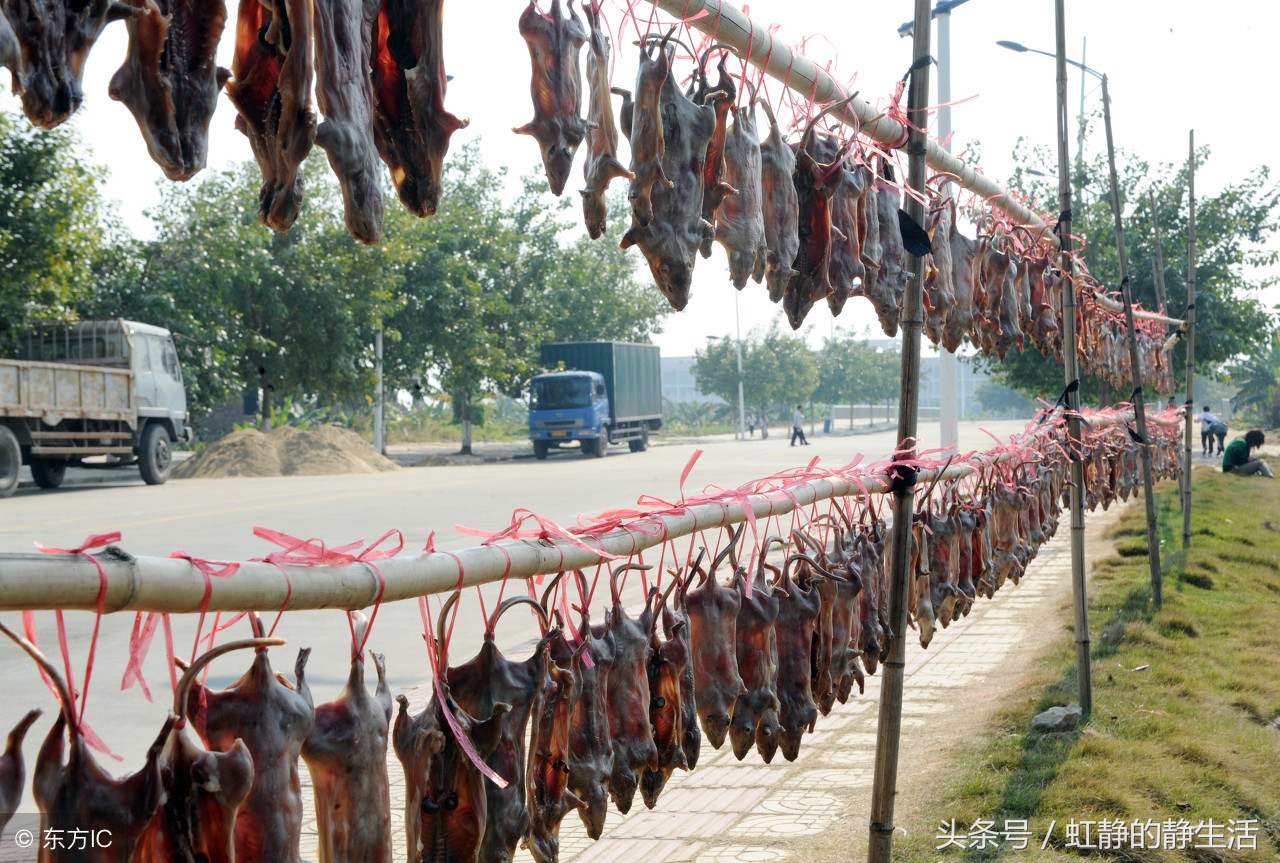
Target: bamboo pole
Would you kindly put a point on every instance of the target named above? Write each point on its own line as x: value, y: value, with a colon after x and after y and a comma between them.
x: 163, y: 584
x: 889, y: 727
x: 1137, y: 396
x: 1070, y: 349
x: 1191, y: 342
x: 1157, y: 262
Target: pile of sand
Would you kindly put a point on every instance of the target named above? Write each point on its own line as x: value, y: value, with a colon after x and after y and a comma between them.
x: 286, y: 451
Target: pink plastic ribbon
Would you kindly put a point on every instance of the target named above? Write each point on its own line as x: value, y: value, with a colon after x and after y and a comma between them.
x: 29, y: 623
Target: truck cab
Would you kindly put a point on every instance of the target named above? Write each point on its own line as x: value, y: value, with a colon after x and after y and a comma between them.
x: 92, y: 388
x: 568, y: 407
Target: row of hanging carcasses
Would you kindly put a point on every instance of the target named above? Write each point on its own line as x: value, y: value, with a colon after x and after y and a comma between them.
x: 505, y: 749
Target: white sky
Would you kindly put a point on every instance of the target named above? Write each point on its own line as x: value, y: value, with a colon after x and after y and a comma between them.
x: 1172, y: 66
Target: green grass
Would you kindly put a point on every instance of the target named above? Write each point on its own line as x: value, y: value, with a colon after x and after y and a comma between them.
x: 1196, y: 735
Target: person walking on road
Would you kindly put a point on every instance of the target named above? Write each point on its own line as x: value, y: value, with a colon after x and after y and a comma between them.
x: 797, y: 426
x: 1237, y: 461
x: 1207, y: 423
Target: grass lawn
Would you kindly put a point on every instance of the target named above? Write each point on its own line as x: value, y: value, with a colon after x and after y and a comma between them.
x: 1186, y: 719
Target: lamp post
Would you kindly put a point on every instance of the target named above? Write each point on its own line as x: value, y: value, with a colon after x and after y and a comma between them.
x: 948, y: 364
x: 741, y: 433
x: 1137, y: 396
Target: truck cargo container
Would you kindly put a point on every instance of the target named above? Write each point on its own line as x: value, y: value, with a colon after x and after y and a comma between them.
x: 603, y: 393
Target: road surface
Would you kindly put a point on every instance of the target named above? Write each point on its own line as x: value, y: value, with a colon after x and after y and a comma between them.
x: 214, y: 519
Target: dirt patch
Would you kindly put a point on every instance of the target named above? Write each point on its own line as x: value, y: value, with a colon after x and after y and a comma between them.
x: 286, y: 451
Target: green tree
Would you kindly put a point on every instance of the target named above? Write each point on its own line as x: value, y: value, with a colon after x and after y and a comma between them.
x: 1258, y: 379
x: 1000, y: 400
x: 465, y: 299
x: 852, y: 371
x: 778, y: 371
x: 488, y: 282
x: 53, y: 225
x: 295, y: 311
x: 1235, y: 248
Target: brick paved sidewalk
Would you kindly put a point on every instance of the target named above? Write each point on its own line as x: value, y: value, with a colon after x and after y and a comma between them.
x: 727, y: 811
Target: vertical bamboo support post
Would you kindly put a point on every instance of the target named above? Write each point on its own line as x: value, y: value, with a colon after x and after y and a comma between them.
x: 889, y: 727
x: 1162, y: 299
x: 1136, y: 373
x: 1191, y: 342
x: 1070, y: 348
x: 1158, y: 262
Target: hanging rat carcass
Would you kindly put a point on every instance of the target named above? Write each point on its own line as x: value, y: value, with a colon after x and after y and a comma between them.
x: 202, y: 790
x: 271, y: 89
x: 273, y: 717
x: 602, y: 166
x: 411, y: 127
x: 346, y: 754
x: 79, y: 795
x: 740, y: 219
x: 170, y: 80
x: 344, y: 88
x: 554, y: 43
x: 670, y: 239
x: 53, y: 39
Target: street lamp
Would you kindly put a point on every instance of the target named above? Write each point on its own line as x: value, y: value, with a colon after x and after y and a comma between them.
x: 1023, y: 49
x: 948, y: 364
x: 741, y: 433
x: 1135, y: 358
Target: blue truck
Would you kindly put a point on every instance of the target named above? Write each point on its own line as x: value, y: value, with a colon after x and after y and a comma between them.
x: 600, y: 393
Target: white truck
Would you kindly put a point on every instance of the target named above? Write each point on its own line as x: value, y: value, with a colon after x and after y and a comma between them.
x: 108, y: 388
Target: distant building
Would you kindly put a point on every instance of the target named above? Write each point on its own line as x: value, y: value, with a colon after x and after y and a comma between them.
x: 678, y: 386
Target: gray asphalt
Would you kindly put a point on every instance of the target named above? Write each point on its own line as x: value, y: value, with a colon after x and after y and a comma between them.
x: 214, y: 519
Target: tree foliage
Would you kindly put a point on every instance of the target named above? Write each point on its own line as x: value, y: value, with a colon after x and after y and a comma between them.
x: 53, y: 225
x: 778, y: 370
x: 1235, y: 249
x: 486, y: 284
x: 298, y: 309
x: 851, y: 371
x: 465, y: 299
x: 1258, y: 380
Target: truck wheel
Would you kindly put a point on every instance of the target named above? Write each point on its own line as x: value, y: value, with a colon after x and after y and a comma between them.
x: 601, y: 443
x: 10, y: 462
x: 641, y: 443
x: 155, y: 459
x: 48, y: 474
x: 540, y: 450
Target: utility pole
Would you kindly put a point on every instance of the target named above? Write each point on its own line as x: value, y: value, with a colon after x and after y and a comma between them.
x: 1158, y: 260
x: 379, y: 431
x: 1080, y: 134
x: 1191, y: 342
x: 1136, y: 374
x: 742, y: 409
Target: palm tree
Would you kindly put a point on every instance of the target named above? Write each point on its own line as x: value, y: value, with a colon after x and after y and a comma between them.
x: 1259, y: 379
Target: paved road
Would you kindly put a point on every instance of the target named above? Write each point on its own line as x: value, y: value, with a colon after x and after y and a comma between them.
x: 215, y: 519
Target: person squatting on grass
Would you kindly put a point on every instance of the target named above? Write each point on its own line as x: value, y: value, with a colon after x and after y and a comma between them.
x: 1236, y: 459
